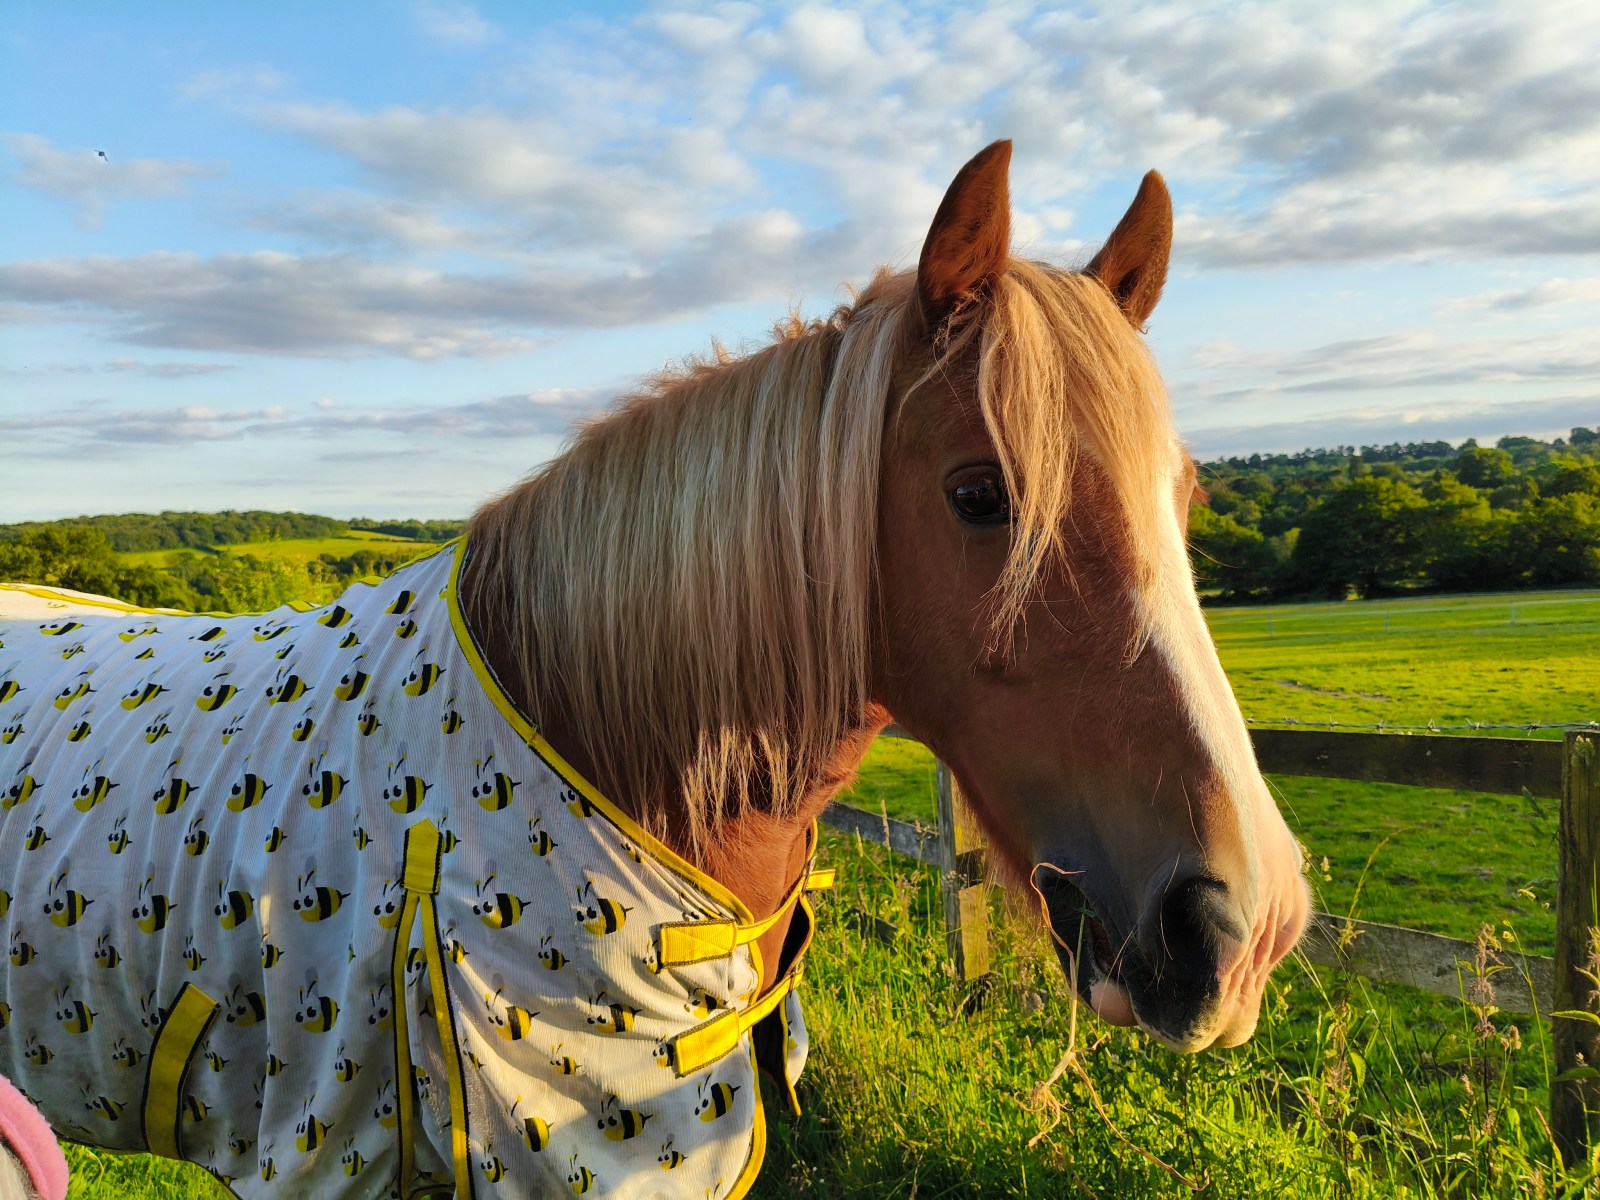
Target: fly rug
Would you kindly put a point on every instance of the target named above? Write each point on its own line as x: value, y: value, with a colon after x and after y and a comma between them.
x: 310, y: 898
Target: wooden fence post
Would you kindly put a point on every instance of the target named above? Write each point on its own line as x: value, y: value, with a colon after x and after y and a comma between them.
x: 961, y: 882
x: 1575, y: 1101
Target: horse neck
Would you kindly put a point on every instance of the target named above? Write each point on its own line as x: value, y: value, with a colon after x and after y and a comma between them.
x: 757, y: 856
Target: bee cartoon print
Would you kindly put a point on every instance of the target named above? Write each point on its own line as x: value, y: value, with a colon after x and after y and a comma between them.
x: 386, y: 1112
x: 196, y: 839
x: 158, y: 727
x: 535, y: 1130
x: 216, y: 694
x: 610, y: 1016
x: 306, y: 725
x: 94, y: 788
x: 316, y: 1013
x: 322, y: 787
x: 422, y: 677
x: 670, y: 1158
x: 450, y: 721
x: 352, y: 1160
x: 126, y: 1056
x: 192, y: 958
x: 579, y: 1177
x: 243, y: 1008
x: 106, y: 955
x: 345, y: 1068
x: 175, y: 791
x: 511, y: 1021
x: 75, y: 691
x: 620, y: 1124
x: 493, y: 790
x: 23, y: 785
x: 391, y: 900
x: 233, y: 906
x: 380, y: 1007
x: 497, y: 910
x: 353, y: 682
x: 313, y: 901
x: 62, y: 905
x: 599, y: 915
x: 144, y: 692
x: 550, y: 956
x: 75, y: 1016
x: 248, y: 790
x: 404, y: 793
x: 81, y: 728
x: 713, y: 1100
x: 539, y: 839
x: 151, y: 1015
x: 152, y: 909
x: 117, y: 840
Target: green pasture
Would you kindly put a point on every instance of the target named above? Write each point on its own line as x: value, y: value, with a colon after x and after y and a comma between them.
x: 921, y: 1086
x: 293, y: 550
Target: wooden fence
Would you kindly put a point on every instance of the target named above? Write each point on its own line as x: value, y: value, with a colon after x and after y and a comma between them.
x: 1567, y: 771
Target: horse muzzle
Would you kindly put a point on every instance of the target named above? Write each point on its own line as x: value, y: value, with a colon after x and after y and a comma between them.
x: 1179, y: 969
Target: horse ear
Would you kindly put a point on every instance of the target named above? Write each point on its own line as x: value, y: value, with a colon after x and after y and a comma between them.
x: 1133, y: 262
x: 970, y: 237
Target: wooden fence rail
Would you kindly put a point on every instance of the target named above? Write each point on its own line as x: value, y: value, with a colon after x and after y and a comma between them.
x: 1567, y: 771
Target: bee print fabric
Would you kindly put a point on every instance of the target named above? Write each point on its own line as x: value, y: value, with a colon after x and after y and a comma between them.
x: 300, y: 897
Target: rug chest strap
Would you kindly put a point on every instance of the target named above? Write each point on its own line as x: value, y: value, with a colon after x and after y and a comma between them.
x: 420, y: 879
x: 184, y: 1025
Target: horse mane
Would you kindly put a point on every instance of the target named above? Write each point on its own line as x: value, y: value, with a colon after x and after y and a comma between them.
x: 690, y: 582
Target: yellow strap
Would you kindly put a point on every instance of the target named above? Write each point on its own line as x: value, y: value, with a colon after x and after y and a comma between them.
x: 681, y: 943
x: 402, y: 1039
x: 704, y: 1044
x: 186, y: 1023
x: 420, y: 878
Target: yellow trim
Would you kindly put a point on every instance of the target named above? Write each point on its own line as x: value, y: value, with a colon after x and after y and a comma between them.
x: 185, y: 1024
x: 518, y: 721
x: 820, y: 880
x: 758, y: 1136
x: 420, y: 878
x: 704, y: 1044
x: 41, y: 591
x: 44, y: 591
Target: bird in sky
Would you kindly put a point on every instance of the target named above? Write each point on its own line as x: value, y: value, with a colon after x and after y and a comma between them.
x: 102, y: 154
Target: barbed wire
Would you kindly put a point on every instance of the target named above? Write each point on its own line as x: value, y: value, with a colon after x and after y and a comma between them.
x: 1430, y: 727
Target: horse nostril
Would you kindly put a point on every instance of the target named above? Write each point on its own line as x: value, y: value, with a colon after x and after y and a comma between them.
x: 1197, y: 927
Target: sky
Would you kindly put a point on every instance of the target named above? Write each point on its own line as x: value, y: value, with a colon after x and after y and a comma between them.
x: 371, y: 259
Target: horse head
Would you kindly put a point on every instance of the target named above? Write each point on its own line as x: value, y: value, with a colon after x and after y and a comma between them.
x: 1036, y: 621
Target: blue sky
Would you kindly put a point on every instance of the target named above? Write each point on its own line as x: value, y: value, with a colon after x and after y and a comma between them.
x: 375, y: 259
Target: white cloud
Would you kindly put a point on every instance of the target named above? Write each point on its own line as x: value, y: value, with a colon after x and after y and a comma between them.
x: 90, y: 181
x: 532, y: 414
x: 452, y: 24
x: 233, y: 81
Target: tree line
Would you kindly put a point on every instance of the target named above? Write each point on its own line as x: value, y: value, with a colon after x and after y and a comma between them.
x: 1327, y: 523
x: 1376, y: 520
x: 86, y: 554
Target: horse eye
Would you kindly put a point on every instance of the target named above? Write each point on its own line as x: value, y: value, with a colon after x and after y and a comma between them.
x: 981, y: 499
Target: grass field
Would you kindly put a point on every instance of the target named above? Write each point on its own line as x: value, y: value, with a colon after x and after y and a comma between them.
x: 919, y: 1087
x: 295, y: 550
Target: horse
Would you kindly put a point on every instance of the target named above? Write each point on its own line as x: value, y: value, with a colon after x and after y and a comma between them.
x: 956, y: 503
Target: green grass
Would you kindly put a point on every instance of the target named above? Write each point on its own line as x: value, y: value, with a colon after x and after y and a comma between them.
x: 1348, y: 1089
x: 295, y: 550
x: 1447, y: 659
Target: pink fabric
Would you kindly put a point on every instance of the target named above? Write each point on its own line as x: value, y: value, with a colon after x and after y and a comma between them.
x: 28, y: 1136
